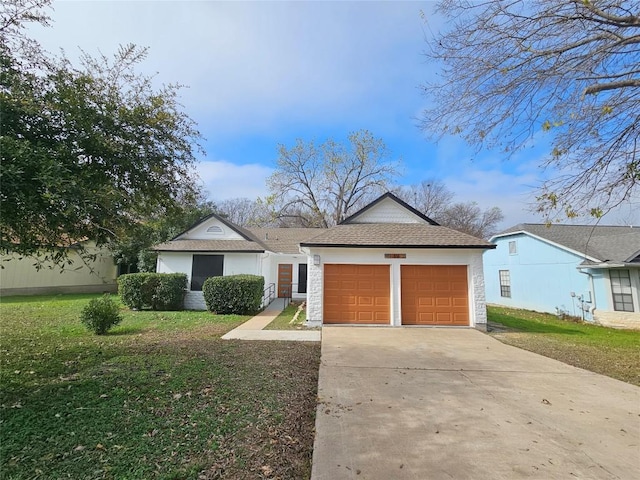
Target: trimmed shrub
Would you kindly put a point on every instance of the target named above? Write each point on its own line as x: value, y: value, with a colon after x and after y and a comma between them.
x: 133, y: 290
x: 100, y: 315
x: 158, y: 291
x: 237, y: 294
x: 169, y: 291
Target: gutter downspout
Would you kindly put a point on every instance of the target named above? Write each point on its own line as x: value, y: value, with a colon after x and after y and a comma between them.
x: 592, y: 291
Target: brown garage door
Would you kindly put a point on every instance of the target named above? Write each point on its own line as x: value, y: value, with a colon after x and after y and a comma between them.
x: 356, y: 294
x: 434, y: 295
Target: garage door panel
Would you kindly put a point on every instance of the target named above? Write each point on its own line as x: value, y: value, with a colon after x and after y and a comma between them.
x: 356, y: 294
x: 443, y: 302
x: 381, y: 302
x: 365, y: 301
x: 426, y: 302
x: 434, y: 295
x: 460, y: 302
x: 425, y: 317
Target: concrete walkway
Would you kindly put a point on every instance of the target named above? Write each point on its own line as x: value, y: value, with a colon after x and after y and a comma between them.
x: 434, y: 403
x: 252, y: 329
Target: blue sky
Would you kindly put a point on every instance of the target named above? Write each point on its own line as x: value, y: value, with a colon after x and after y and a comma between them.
x: 266, y: 73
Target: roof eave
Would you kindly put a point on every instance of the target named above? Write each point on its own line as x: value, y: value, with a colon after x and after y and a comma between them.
x: 351, y: 245
x: 206, y: 250
x: 550, y: 242
x: 606, y: 265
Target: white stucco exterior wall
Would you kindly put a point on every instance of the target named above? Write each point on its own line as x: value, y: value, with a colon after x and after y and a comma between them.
x: 472, y: 258
x: 387, y: 211
x: 181, y: 262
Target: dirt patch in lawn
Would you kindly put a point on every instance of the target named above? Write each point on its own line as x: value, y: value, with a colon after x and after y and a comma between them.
x: 276, y: 445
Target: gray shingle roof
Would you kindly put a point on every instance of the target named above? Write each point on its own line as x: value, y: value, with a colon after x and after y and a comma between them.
x: 284, y: 240
x: 605, y: 243
x: 209, y: 246
x: 408, y: 235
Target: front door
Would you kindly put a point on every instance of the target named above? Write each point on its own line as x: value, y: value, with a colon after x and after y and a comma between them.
x: 285, y: 278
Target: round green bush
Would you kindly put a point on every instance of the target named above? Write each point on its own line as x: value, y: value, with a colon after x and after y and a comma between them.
x: 100, y: 315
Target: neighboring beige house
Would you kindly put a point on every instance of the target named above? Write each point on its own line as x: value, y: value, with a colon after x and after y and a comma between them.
x: 388, y: 264
x: 19, y: 275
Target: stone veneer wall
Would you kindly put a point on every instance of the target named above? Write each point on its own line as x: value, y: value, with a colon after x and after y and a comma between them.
x: 477, y: 279
x: 315, y: 298
x: 194, y: 301
x: 617, y: 319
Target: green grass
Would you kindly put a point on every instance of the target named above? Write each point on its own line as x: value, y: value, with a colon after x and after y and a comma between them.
x: 160, y: 396
x: 283, y: 321
x: 608, y: 351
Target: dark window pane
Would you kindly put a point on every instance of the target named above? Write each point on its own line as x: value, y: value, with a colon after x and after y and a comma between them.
x: 203, y: 267
x: 302, y: 278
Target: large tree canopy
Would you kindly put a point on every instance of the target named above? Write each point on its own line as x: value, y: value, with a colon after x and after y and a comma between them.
x: 320, y: 186
x: 515, y: 68
x: 88, y: 151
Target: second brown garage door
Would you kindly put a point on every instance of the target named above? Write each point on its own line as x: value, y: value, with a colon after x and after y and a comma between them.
x: 357, y: 294
x: 434, y: 295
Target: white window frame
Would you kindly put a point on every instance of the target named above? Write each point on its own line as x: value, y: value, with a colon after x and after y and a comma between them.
x: 621, y: 292
x: 513, y: 247
x: 505, y: 287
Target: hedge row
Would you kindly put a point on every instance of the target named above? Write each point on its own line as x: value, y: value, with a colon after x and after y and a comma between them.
x: 237, y: 294
x: 157, y: 291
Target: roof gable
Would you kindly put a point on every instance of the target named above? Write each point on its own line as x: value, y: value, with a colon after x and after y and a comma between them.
x: 597, y: 243
x: 214, y: 227
x: 388, y: 209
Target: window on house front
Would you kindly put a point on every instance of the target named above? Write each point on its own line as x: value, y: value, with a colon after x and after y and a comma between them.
x: 513, y: 247
x: 203, y: 267
x: 302, y: 278
x: 621, y: 290
x: 505, y: 283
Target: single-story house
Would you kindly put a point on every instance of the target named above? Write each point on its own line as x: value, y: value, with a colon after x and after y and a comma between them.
x: 387, y: 264
x: 591, y: 272
x: 21, y: 277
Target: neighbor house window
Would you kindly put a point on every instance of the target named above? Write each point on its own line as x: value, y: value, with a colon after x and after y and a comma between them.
x: 505, y: 283
x: 203, y: 267
x: 302, y: 278
x: 621, y: 290
x: 513, y: 247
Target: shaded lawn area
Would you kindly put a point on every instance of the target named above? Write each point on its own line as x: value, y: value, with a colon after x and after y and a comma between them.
x: 160, y: 397
x: 609, y: 351
x: 283, y: 321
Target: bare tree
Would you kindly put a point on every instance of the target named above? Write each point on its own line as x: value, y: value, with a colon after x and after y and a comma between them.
x: 246, y: 212
x: 430, y: 197
x: 435, y: 200
x: 515, y: 68
x: 320, y: 186
x: 467, y: 217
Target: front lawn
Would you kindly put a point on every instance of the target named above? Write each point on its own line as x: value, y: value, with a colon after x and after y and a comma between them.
x: 608, y: 351
x: 160, y: 396
x: 284, y: 321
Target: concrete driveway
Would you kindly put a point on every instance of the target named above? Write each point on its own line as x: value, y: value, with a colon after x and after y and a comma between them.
x: 434, y: 403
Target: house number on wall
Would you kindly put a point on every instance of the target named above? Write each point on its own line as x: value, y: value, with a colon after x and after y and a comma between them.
x: 395, y: 255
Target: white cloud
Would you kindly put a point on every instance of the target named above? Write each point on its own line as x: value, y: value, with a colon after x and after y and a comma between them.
x: 224, y: 180
x: 250, y: 64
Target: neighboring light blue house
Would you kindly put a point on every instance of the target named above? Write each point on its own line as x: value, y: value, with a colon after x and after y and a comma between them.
x: 592, y: 272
